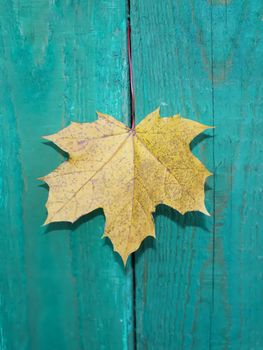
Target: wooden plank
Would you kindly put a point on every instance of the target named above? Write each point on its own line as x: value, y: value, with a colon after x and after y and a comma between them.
x: 200, y: 288
x: 238, y: 76
x: 62, y: 287
x: 171, y: 47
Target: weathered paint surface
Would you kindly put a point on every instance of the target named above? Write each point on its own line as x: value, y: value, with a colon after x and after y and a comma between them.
x: 61, y: 286
x: 200, y: 284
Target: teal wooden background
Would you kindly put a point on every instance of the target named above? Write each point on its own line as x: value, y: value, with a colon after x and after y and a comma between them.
x: 200, y: 284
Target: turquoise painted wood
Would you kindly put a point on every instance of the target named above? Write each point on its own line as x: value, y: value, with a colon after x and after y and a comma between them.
x: 199, y: 286
x: 62, y: 287
x: 238, y: 260
x: 171, y: 55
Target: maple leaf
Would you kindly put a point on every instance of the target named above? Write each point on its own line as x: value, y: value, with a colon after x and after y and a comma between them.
x: 127, y: 172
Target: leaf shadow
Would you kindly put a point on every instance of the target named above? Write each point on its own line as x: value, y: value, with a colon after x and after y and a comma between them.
x: 116, y: 256
x: 106, y: 242
x: 43, y: 185
x: 66, y: 225
x: 198, y: 139
x: 56, y: 148
x: 190, y: 219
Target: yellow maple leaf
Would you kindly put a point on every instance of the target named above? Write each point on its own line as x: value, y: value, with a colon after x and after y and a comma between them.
x: 127, y: 173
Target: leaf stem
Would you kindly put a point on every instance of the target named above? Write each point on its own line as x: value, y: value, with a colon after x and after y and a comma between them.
x: 130, y: 75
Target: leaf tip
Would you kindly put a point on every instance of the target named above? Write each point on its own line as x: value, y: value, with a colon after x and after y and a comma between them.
x: 100, y: 115
x: 124, y: 260
x: 42, y: 178
x: 205, y: 211
x: 208, y: 127
x: 47, y: 137
x: 156, y: 112
x: 47, y: 221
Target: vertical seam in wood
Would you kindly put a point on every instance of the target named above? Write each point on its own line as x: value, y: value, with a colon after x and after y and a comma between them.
x: 214, y: 174
x: 134, y: 300
x: 131, y: 106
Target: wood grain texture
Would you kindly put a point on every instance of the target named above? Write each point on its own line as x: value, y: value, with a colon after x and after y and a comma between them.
x: 62, y: 287
x: 171, y: 57
x: 199, y: 285
x: 238, y: 107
